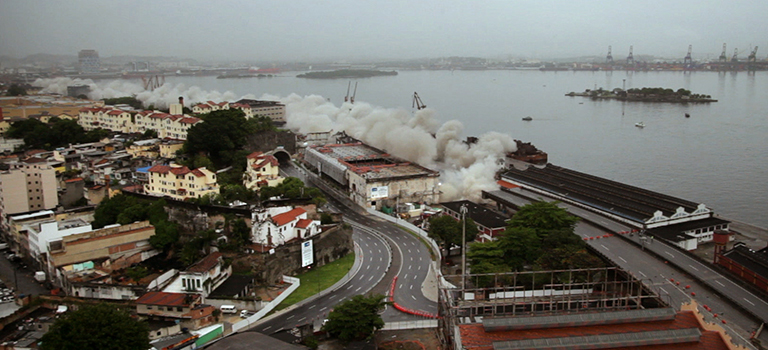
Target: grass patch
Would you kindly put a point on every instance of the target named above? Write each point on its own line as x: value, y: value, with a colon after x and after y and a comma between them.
x: 317, y: 280
x: 423, y: 241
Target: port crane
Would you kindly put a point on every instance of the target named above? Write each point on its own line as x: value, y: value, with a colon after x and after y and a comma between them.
x: 752, y: 56
x: 350, y: 99
x: 417, y: 102
x: 735, y: 57
x: 609, y: 58
x: 723, y: 58
x: 688, y: 60
x: 631, y: 57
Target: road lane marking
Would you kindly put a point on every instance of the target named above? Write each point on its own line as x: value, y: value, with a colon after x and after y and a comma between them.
x: 313, y: 305
x: 268, y: 327
x: 419, y: 258
x: 670, y: 254
x: 409, y: 251
x: 641, y: 272
x: 370, y: 279
x: 693, y: 267
x: 350, y: 287
x: 720, y: 283
x: 368, y: 267
x: 289, y: 317
x: 381, y: 259
x: 622, y: 259
x: 358, y: 289
x: 663, y: 290
x: 301, y: 319
x: 400, y: 286
x: 324, y: 307
x: 379, y: 251
x: 414, y: 298
x: 606, y: 248
x: 406, y: 275
x: 751, y: 303
x: 411, y: 287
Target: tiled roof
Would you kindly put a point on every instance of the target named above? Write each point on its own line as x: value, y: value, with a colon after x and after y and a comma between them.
x: 303, y: 223
x: 162, y: 169
x: 183, y: 170
x: 284, y: 218
x: 189, y: 120
x: 74, y: 180
x: 206, y: 263
x: 165, y: 299
x: 198, y: 173
x: 255, y: 155
x: 474, y: 336
x: 115, y: 112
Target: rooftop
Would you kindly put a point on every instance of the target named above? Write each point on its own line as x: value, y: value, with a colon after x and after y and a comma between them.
x: 167, y: 299
x: 370, y: 162
x: 630, y: 202
x: 481, y: 215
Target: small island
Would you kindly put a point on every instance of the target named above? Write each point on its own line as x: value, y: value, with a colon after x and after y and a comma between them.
x: 346, y: 73
x: 646, y: 95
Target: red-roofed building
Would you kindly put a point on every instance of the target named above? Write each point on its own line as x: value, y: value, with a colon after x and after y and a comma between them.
x: 179, y: 182
x: 275, y: 226
x: 202, y: 277
x: 262, y: 170
x: 167, y: 305
x: 685, y: 329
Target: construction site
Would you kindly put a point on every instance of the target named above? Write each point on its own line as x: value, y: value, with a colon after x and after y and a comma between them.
x: 599, y: 308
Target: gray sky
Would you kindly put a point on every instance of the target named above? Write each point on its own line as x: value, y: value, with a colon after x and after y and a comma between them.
x: 302, y: 30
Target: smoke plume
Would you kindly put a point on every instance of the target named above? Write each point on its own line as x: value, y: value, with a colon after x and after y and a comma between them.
x: 466, y: 169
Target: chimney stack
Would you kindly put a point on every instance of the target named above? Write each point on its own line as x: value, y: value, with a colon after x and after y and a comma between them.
x: 181, y: 101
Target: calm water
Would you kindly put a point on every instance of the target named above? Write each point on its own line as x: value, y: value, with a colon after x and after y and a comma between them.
x: 718, y: 156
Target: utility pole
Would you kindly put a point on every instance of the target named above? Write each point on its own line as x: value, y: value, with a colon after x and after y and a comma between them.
x: 463, y: 211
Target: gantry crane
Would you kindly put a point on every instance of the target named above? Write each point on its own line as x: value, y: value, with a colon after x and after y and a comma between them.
x: 723, y: 58
x: 631, y: 57
x: 609, y: 58
x: 417, y: 102
x: 735, y: 57
x: 688, y: 60
x: 752, y: 56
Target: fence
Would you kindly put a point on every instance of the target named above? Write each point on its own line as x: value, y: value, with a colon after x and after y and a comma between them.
x: 246, y: 323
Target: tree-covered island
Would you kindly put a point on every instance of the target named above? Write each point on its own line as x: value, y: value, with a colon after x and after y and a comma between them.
x: 646, y: 95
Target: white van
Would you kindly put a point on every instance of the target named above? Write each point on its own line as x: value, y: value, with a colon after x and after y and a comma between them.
x: 246, y: 313
x: 228, y: 309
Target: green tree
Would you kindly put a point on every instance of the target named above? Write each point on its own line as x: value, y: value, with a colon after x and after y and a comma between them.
x: 543, y: 217
x: 17, y: 90
x: 356, y: 318
x: 101, y: 326
x: 521, y: 246
x: 448, y: 231
x: 230, y: 129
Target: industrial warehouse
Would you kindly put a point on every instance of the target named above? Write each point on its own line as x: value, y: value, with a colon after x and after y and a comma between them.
x: 374, y: 178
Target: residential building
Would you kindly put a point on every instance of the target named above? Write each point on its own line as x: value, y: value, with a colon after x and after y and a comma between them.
x: 276, y: 226
x: 110, y: 248
x: 272, y: 109
x: 26, y: 186
x: 169, y: 147
x: 173, y: 126
x: 144, y: 148
x: 210, y: 106
x: 202, y: 277
x: 17, y: 225
x: 179, y: 182
x: 262, y: 170
x: 40, y: 233
x: 166, y: 305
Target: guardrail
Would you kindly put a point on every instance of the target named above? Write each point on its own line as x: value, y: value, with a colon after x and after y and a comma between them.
x: 251, y: 320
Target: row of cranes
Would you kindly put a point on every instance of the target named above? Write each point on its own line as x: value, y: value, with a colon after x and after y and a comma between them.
x: 688, y: 60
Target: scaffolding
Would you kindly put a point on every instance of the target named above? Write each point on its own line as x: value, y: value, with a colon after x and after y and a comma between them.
x: 539, y: 293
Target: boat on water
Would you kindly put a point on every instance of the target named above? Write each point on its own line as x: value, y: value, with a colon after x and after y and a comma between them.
x: 527, y: 118
x: 687, y: 115
x: 640, y: 125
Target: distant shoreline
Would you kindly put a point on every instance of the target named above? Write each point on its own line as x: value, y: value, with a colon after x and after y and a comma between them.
x: 346, y: 73
x: 653, y: 95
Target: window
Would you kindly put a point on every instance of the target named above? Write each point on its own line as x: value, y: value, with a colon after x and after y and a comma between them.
x: 183, y: 283
x: 179, y: 309
x: 149, y: 307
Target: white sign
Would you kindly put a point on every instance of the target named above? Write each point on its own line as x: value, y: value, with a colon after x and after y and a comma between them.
x: 307, y: 255
x: 379, y: 192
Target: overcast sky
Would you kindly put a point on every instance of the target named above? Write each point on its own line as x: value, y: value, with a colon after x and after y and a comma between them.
x: 301, y: 30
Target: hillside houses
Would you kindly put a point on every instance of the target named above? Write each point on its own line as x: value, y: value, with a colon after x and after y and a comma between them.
x: 180, y: 182
x: 261, y: 170
x: 276, y: 226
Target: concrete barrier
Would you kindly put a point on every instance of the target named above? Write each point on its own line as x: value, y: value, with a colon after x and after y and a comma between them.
x: 248, y: 322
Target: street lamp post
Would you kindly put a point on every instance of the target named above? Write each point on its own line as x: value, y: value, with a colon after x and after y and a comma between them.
x: 463, y: 247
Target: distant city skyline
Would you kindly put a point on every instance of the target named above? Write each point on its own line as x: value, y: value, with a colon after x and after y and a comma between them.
x: 337, y: 30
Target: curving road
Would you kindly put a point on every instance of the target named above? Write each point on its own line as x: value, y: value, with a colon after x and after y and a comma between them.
x: 385, y: 251
x: 375, y: 258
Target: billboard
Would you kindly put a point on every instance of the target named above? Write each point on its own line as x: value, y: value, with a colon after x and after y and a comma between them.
x: 379, y: 192
x: 307, y: 255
